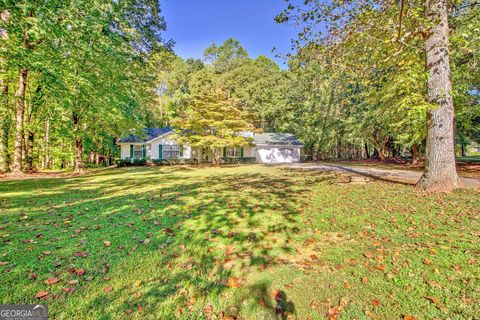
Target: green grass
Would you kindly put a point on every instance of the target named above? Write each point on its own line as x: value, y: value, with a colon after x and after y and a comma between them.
x: 248, y: 242
x: 469, y: 159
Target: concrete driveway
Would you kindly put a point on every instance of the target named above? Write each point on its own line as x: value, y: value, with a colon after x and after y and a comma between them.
x: 391, y: 175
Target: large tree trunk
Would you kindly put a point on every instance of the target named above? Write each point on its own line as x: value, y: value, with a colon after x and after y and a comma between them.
x: 78, y: 165
x: 78, y: 156
x: 46, y: 163
x: 4, y: 155
x: 380, y: 145
x: 20, y: 95
x: 216, y: 156
x: 4, y: 116
x: 440, y: 171
x: 415, y: 151
x: 29, y: 153
x: 4, y: 128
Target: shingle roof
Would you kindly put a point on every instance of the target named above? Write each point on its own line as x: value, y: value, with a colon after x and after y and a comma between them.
x: 149, y: 134
x: 276, y: 139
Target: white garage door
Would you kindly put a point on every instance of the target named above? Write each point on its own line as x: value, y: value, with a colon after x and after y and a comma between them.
x: 278, y: 155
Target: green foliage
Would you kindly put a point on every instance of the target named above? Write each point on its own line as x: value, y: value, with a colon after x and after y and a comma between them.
x: 355, y: 82
x: 225, y: 56
x: 173, y: 162
x: 213, y: 121
x: 131, y: 162
x: 90, y: 71
x: 243, y: 160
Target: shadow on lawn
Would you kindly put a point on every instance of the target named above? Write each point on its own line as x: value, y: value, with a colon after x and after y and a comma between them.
x: 206, y: 234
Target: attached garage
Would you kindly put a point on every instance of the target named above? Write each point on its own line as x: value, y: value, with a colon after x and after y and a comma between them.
x: 277, y: 148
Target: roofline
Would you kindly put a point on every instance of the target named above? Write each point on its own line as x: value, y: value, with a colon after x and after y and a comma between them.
x: 160, y: 136
x: 147, y: 141
x: 278, y: 145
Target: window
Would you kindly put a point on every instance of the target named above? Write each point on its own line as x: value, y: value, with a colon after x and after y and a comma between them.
x: 171, y: 152
x: 234, y: 152
x: 138, y: 152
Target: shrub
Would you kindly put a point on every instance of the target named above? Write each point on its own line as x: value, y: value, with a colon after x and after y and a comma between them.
x: 173, y: 162
x: 243, y: 160
x: 129, y: 162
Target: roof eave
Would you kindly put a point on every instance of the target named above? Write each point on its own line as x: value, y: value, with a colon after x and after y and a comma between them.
x: 278, y: 145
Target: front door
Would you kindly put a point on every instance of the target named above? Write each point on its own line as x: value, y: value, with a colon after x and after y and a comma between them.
x: 204, y: 155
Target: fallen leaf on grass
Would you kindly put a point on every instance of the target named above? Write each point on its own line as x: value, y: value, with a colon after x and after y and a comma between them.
x: 364, y: 279
x: 107, y: 243
x: 368, y: 255
x: 52, y: 280
x: 432, y: 299
x: 79, y: 272
x: 229, y: 250
x: 314, y: 304
x: 376, y: 303
x: 407, y: 317
x: 207, y: 310
x: 41, y: 294
x: 234, y: 283
x: 333, y: 313
x: 380, y: 267
x: 107, y: 289
x: 82, y: 254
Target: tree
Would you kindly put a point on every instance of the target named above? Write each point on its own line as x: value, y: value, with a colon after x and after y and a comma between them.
x: 399, y: 32
x: 86, y: 67
x: 213, y: 121
x: 440, y: 170
x: 225, y: 56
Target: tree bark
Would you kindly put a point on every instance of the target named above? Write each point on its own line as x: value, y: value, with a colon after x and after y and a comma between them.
x: 78, y: 165
x: 46, y: 163
x: 4, y: 155
x: 4, y: 128
x: 29, y: 153
x: 20, y: 95
x: 380, y: 147
x: 415, y: 151
x: 440, y: 171
x: 216, y: 156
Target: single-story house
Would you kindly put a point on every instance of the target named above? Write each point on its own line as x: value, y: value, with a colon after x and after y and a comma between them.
x: 160, y: 143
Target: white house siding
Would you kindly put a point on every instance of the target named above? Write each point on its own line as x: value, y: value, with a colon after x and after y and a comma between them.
x: 277, y: 154
x: 125, y: 151
x: 248, y: 152
x: 165, y: 140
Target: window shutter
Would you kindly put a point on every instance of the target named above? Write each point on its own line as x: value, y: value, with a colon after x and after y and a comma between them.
x: 131, y: 151
x: 160, y: 152
x: 224, y: 152
x: 241, y: 153
x: 181, y: 151
x: 144, y: 149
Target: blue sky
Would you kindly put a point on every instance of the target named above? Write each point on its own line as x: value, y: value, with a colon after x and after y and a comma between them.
x: 196, y: 24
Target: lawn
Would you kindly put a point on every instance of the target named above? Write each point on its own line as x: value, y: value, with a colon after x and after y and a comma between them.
x: 247, y: 242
